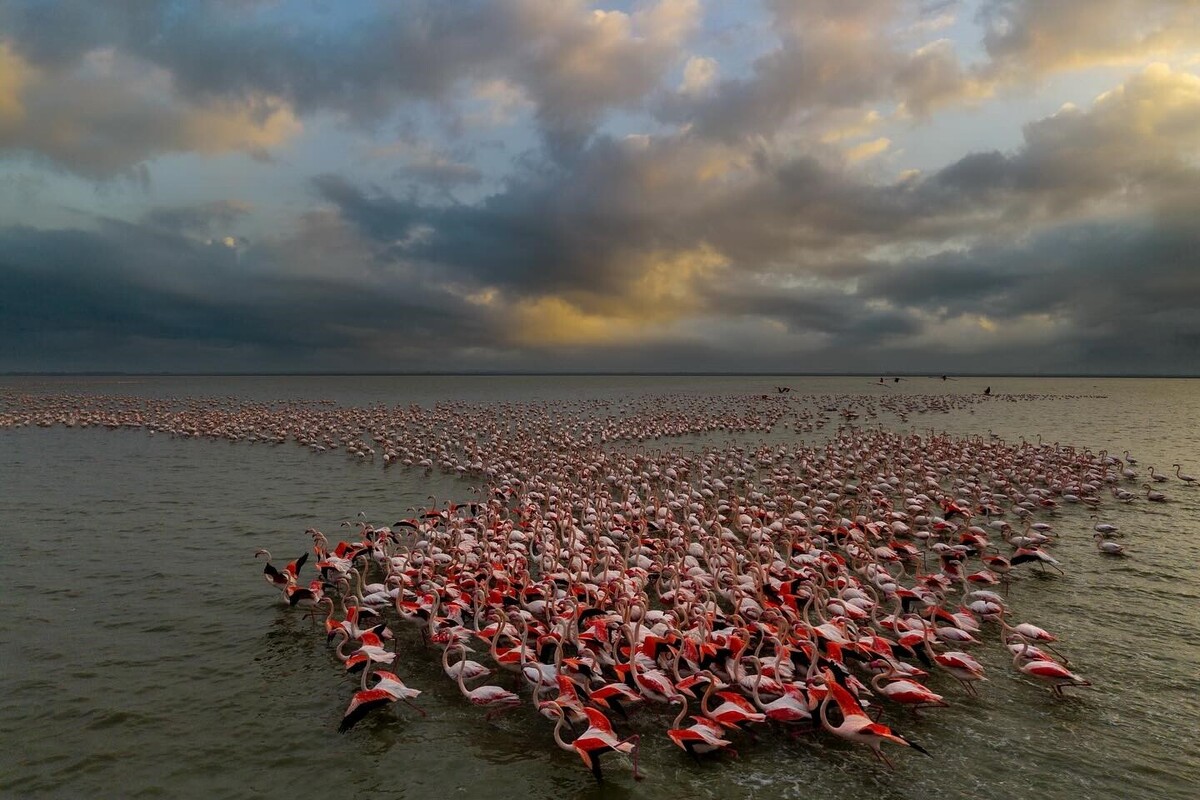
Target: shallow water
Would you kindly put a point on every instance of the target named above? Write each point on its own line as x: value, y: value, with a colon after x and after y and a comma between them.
x: 143, y: 656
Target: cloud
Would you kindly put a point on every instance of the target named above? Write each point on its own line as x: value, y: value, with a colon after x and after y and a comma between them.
x: 831, y: 57
x: 699, y: 73
x: 661, y: 239
x: 646, y: 203
x: 933, y: 77
x: 593, y: 227
x: 665, y: 290
x: 866, y: 150
x: 139, y: 293
x: 423, y: 163
x: 1137, y: 142
x: 312, y: 58
x: 14, y: 78
x: 108, y: 114
x: 1028, y: 38
x: 202, y: 220
x: 1072, y: 289
x: 582, y: 63
x: 573, y: 61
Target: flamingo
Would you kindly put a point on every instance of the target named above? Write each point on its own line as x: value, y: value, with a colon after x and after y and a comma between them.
x: 1028, y: 632
x: 290, y: 574
x: 902, y: 689
x: 388, y: 690
x: 702, y: 736
x: 1052, y: 672
x: 469, y: 670
x: 790, y: 708
x: 733, y: 712
x: 493, y: 698
x: 308, y: 598
x: 1025, y: 555
x: 856, y: 726
x: 962, y: 667
x: 597, y: 740
x: 1188, y: 479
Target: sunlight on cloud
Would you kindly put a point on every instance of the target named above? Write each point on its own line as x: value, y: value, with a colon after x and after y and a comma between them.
x: 253, y: 125
x: 554, y: 321
x: 662, y: 291
x: 666, y: 283
x: 14, y: 74
x: 698, y: 75
x: 853, y: 126
x: 1158, y: 100
x: 866, y: 150
x: 1042, y: 37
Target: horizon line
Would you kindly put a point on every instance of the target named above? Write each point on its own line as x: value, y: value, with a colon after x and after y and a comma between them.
x: 587, y: 373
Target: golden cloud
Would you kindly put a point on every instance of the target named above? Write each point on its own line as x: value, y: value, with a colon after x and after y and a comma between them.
x: 1159, y: 101
x: 662, y: 291
x: 14, y: 74
x: 1078, y: 34
x: 865, y: 150
x: 253, y: 125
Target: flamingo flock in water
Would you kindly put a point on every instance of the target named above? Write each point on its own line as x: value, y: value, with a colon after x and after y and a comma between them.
x: 612, y: 580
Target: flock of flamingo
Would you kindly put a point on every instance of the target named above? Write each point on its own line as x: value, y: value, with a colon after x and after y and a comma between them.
x: 614, y: 583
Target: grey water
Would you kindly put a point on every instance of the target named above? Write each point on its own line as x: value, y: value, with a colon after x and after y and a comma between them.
x: 142, y: 654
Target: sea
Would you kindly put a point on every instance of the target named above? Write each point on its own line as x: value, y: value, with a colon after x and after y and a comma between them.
x: 142, y: 655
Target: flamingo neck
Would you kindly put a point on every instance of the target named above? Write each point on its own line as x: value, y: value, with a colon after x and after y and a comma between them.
x: 824, y: 713
x: 558, y: 733
x: 712, y: 685
x: 682, y: 713
x: 462, y: 687
x: 758, y: 676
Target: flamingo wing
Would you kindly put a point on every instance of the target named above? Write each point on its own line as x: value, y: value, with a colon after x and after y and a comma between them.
x: 362, y: 704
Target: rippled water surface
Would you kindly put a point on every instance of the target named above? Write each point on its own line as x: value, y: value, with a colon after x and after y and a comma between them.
x: 143, y: 656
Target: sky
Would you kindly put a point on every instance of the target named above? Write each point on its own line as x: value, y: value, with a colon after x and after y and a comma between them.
x: 922, y: 186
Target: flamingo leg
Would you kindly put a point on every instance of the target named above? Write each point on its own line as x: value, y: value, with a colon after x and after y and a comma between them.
x: 636, y: 739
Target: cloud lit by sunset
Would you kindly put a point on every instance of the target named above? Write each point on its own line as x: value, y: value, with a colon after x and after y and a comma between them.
x: 668, y: 185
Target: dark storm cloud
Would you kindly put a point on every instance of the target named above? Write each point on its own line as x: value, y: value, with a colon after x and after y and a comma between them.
x: 552, y: 227
x: 142, y: 288
x: 1109, y: 285
x: 841, y: 315
x: 580, y: 226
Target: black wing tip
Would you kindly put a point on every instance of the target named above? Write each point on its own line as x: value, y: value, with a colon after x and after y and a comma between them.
x: 918, y: 748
